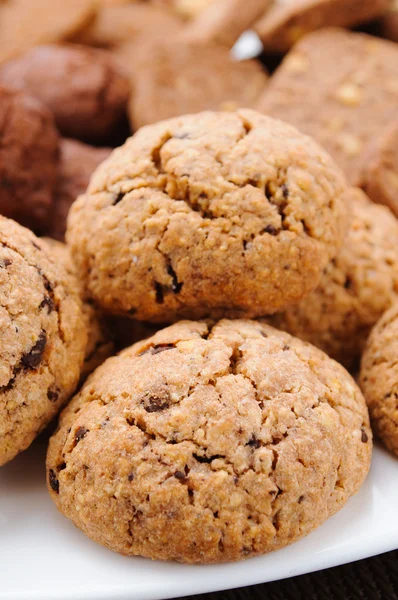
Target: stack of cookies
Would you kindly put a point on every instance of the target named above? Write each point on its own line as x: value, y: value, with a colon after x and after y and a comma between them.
x: 222, y: 271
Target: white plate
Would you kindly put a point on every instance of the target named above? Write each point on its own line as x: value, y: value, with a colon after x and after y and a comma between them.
x: 44, y: 557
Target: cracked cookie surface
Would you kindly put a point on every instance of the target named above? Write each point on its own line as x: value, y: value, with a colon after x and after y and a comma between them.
x: 210, y: 444
x: 83, y: 87
x: 42, y: 337
x: 356, y: 288
x: 379, y: 378
x: 216, y: 214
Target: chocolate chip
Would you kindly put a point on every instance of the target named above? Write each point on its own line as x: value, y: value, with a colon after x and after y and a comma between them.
x: 118, y: 198
x: 156, y: 404
x: 364, y: 436
x: 348, y: 283
x: 285, y: 191
x: 161, y: 348
x: 53, y: 481
x: 80, y: 433
x: 300, y: 499
x: 159, y: 293
x: 180, y: 476
x: 175, y: 285
x: 31, y: 359
x: 271, y: 230
x: 207, y: 459
x: 47, y: 303
x: 53, y: 395
x: 130, y: 477
x: 5, y: 262
x: 254, y: 442
x: 285, y: 348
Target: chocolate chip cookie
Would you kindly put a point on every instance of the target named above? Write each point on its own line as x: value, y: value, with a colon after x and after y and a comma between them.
x: 24, y: 24
x: 389, y: 22
x: 380, y: 172
x: 339, y: 87
x: 172, y: 79
x: 287, y: 21
x: 207, y: 444
x: 77, y: 163
x: 379, y: 378
x: 205, y: 215
x: 100, y: 344
x: 28, y: 159
x: 223, y: 21
x: 83, y: 87
x: 356, y: 288
x: 42, y: 335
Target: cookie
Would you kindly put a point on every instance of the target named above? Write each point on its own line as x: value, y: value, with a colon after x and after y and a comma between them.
x: 42, y: 338
x: 175, y: 79
x: 389, y: 22
x: 379, y: 378
x: 83, y: 87
x: 380, y: 172
x: 339, y: 87
x: 288, y: 21
x: 356, y: 288
x: 223, y: 21
x: 116, y: 24
x: 208, y: 444
x: 77, y: 163
x: 24, y: 24
x: 100, y: 344
x: 28, y: 159
x: 205, y: 215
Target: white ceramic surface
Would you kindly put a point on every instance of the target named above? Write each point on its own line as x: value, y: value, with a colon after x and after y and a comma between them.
x: 44, y: 557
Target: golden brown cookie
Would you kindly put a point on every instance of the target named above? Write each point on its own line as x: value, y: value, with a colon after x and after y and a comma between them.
x: 83, y: 87
x: 100, y: 344
x: 208, y: 444
x: 380, y: 171
x: 223, y: 21
x: 339, y: 87
x: 287, y: 21
x: 356, y: 288
x: 27, y: 23
x: 77, y: 163
x: 379, y: 378
x: 42, y: 337
x: 212, y: 214
x: 28, y: 159
x: 176, y: 79
x: 116, y: 24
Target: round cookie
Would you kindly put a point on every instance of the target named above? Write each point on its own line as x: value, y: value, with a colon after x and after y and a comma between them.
x: 356, y: 288
x: 380, y: 174
x: 42, y: 335
x: 83, y: 87
x: 77, y: 163
x: 207, y: 444
x: 176, y: 78
x: 212, y: 214
x: 100, y: 344
x: 379, y: 378
x: 28, y: 159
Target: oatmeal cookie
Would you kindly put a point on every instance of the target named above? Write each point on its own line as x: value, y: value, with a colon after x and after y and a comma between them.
x: 42, y: 338
x: 339, y: 87
x: 207, y: 444
x: 287, y: 21
x: 29, y: 155
x: 231, y: 214
x: 380, y: 172
x: 83, y: 87
x: 356, y: 288
x: 77, y: 163
x: 172, y: 79
x: 379, y: 378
